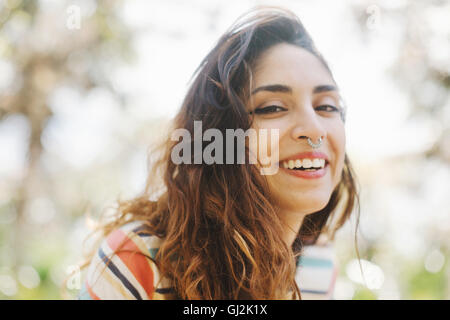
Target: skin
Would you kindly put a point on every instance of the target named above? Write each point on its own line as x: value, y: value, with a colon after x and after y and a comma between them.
x: 298, y: 113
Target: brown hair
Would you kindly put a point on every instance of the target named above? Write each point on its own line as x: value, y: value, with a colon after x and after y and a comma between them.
x: 218, y: 221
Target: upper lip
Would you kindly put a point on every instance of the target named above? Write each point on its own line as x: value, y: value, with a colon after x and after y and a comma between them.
x: 310, y: 155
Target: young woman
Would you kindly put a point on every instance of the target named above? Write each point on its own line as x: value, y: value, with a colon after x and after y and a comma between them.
x: 224, y: 230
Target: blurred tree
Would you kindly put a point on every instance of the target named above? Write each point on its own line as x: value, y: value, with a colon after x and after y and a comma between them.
x: 422, y: 67
x: 36, y: 41
x: 421, y: 70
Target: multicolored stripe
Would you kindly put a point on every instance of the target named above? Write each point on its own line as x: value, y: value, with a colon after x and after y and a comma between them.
x: 130, y: 274
x: 316, y: 272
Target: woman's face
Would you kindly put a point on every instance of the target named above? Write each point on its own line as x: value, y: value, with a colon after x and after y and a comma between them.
x: 302, y: 101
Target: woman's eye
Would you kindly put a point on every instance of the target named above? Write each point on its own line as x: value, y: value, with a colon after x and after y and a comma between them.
x: 268, y: 110
x: 328, y: 108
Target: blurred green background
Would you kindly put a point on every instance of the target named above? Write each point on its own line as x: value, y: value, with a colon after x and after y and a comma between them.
x: 86, y: 85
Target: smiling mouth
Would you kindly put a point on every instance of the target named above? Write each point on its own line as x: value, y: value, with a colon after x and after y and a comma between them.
x: 306, y: 164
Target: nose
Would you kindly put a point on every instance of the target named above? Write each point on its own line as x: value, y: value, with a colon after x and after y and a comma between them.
x: 307, y: 125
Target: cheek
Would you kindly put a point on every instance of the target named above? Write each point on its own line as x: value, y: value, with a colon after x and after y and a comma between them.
x: 279, y: 124
x: 338, y: 143
x: 340, y: 140
x: 271, y: 143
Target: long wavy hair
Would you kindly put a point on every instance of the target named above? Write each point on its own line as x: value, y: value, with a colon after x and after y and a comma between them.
x: 219, y: 221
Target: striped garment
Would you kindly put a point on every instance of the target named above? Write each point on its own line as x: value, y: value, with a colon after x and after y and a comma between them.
x: 132, y: 276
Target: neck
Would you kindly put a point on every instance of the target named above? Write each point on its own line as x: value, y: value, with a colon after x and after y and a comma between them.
x: 292, y: 222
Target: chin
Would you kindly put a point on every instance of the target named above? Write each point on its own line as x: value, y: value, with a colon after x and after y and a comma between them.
x: 303, y: 201
x: 310, y: 205
x: 316, y: 207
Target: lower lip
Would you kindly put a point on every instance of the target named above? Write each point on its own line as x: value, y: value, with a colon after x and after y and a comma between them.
x: 307, y: 174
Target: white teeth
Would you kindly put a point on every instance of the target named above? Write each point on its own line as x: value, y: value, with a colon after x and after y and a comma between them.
x: 291, y: 164
x: 322, y: 162
x: 307, y: 163
x: 316, y: 163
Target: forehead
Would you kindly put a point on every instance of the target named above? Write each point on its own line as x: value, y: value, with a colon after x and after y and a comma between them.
x: 291, y: 65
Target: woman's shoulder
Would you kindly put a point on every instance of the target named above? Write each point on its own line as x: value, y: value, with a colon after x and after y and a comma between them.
x: 317, y: 270
x: 124, y: 267
x: 136, y: 233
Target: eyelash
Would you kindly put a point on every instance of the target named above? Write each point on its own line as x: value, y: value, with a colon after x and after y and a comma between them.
x: 272, y: 109
x: 334, y: 109
x: 265, y: 110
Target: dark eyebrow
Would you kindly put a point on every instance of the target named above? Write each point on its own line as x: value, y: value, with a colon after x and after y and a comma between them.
x: 324, y: 88
x: 287, y: 89
x: 273, y: 88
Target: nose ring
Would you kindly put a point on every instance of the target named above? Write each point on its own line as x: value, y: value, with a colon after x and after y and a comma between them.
x: 317, y: 145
